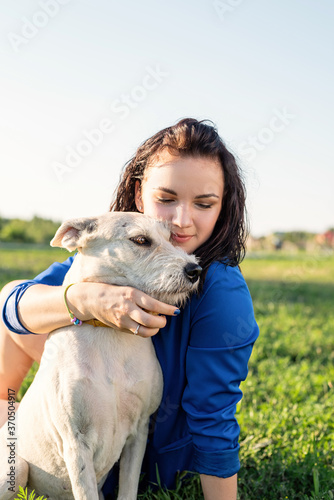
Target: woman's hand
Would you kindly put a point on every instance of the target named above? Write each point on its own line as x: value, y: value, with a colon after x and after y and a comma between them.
x: 121, y: 307
x: 42, y: 309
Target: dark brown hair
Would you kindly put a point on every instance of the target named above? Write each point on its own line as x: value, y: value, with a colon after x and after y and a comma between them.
x: 190, y: 137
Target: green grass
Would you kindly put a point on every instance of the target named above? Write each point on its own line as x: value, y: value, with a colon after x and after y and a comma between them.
x: 24, y: 495
x: 19, y: 261
x: 286, y: 415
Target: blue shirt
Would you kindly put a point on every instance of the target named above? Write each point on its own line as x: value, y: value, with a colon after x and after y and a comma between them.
x: 203, y: 354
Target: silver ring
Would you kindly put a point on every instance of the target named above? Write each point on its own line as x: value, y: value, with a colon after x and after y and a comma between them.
x: 136, y: 330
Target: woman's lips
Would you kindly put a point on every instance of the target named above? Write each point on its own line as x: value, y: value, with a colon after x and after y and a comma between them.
x: 181, y: 238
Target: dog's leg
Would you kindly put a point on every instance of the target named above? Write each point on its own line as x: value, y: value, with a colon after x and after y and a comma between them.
x: 12, y: 476
x: 13, y: 469
x: 79, y: 463
x: 130, y: 464
x: 100, y: 485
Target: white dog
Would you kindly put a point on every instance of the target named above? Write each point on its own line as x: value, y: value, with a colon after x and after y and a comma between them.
x: 96, y: 388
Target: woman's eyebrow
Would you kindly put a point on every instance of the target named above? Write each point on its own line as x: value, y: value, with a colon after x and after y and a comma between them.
x: 166, y: 190
x: 170, y: 191
x: 209, y: 195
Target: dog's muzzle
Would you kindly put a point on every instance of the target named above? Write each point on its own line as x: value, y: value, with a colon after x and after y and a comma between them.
x: 193, y: 272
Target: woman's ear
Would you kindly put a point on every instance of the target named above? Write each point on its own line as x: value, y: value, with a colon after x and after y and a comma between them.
x: 138, y: 199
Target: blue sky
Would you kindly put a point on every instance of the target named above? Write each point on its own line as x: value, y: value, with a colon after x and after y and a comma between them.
x: 260, y: 70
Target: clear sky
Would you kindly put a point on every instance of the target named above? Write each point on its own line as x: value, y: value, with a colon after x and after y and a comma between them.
x: 261, y: 70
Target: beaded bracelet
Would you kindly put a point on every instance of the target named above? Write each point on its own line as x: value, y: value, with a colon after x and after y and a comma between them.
x: 74, y: 320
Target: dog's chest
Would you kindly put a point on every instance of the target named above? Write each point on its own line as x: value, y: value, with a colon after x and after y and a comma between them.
x: 110, y: 366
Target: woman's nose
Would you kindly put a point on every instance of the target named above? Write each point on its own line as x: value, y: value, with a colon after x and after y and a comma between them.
x: 182, y: 217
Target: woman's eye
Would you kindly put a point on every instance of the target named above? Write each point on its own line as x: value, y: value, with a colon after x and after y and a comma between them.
x: 204, y: 205
x: 141, y: 240
x: 164, y: 200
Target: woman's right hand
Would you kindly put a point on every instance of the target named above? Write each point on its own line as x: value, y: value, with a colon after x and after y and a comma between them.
x: 121, y: 307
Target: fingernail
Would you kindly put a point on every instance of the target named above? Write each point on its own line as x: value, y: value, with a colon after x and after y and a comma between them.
x: 177, y: 312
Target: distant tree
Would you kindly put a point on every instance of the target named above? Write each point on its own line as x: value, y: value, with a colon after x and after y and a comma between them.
x: 42, y: 230
x: 37, y: 230
x: 15, y: 230
x: 3, y: 222
x: 298, y: 238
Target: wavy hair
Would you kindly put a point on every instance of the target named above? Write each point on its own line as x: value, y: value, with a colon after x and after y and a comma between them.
x: 190, y: 137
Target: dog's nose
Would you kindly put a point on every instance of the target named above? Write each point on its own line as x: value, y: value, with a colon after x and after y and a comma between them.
x: 193, y: 272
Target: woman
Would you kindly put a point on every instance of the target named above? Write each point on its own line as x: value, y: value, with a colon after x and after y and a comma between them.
x: 185, y: 175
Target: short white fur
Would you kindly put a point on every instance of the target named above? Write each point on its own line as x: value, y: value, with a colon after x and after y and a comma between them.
x: 90, y: 402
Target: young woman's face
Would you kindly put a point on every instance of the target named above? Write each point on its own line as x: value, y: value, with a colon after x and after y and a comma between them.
x: 186, y: 192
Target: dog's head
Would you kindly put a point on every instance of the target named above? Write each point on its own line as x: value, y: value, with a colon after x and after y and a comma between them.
x: 125, y: 248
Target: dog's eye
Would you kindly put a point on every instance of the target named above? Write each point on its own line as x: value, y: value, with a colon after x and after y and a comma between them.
x: 141, y: 240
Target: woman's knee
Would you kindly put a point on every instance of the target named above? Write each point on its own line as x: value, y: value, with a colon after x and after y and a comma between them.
x: 14, y: 362
x: 5, y: 291
x: 17, y: 352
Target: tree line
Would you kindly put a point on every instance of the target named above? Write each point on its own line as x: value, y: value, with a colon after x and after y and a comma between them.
x: 35, y: 230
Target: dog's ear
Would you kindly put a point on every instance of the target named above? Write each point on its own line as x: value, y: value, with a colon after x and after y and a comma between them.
x: 74, y: 233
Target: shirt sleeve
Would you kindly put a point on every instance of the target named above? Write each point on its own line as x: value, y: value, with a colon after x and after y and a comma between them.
x: 53, y: 276
x: 223, y: 332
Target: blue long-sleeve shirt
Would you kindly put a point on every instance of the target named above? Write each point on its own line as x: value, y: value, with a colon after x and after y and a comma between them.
x: 203, y: 354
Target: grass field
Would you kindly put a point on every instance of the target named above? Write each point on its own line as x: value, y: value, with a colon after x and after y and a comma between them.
x: 286, y: 415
